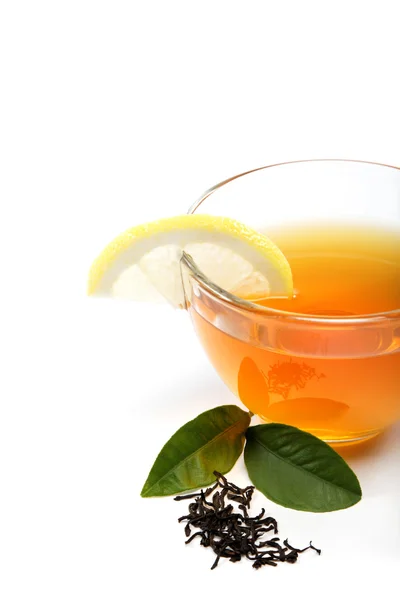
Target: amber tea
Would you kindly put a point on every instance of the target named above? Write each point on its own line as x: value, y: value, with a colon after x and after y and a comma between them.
x: 345, y: 387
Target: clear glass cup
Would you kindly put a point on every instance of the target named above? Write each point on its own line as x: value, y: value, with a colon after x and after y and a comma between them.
x: 333, y: 372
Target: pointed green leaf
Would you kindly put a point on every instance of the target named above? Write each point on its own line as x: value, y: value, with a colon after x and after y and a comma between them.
x: 297, y: 470
x: 213, y: 441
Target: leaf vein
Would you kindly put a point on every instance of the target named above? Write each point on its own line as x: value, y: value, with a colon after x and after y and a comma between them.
x: 214, y: 439
x: 313, y: 475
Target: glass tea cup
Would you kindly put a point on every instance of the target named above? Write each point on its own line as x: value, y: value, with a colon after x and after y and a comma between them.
x: 328, y: 360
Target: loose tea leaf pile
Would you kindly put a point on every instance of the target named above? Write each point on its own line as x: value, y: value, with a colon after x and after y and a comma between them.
x: 235, y: 534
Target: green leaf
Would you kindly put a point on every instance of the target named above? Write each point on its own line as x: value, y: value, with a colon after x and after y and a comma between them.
x: 297, y: 470
x: 213, y: 441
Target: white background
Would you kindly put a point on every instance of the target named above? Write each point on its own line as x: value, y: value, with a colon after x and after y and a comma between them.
x: 113, y: 113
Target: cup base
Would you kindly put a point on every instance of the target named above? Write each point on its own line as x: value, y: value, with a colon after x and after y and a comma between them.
x: 352, y: 441
x: 346, y: 440
x: 336, y: 439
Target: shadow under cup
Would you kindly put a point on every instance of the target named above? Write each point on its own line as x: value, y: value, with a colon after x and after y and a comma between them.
x: 334, y: 375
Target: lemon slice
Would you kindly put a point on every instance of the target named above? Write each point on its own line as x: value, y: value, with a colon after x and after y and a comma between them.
x: 143, y: 263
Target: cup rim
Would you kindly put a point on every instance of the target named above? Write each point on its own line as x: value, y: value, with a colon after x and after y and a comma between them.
x: 247, y: 305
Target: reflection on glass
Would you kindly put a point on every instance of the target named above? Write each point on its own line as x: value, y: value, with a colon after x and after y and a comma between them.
x: 282, y: 377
